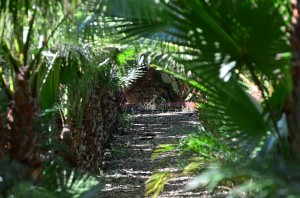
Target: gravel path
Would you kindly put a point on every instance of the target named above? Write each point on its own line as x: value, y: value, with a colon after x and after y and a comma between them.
x: 128, y: 164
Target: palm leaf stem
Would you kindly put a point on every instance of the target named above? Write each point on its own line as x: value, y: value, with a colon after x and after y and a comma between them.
x: 14, y: 62
x: 28, y: 39
x: 3, y: 24
x: 38, y: 55
x: 5, y: 86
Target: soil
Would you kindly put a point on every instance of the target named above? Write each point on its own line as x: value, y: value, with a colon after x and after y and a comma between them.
x: 128, y: 163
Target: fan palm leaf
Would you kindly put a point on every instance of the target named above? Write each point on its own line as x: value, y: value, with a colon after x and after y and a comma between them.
x: 218, y: 41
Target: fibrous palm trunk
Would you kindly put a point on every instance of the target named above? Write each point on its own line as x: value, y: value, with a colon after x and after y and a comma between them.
x: 101, y: 121
x: 2, y: 132
x: 22, y: 143
x: 293, y: 102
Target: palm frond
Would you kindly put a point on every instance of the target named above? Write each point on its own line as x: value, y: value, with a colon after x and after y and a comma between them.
x: 218, y: 41
x: 63, y: 181
x: 252, y: 179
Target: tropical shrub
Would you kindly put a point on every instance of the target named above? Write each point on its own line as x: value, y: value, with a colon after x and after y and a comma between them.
x: 56, y: 180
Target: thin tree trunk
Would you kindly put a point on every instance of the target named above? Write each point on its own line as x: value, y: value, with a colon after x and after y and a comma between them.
x: 293, y: 102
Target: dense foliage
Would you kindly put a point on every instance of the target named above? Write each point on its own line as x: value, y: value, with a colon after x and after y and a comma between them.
x: 228, y: 49
x: 57, y: 57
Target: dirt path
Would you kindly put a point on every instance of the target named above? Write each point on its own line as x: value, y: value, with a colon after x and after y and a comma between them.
x: 128, y: 164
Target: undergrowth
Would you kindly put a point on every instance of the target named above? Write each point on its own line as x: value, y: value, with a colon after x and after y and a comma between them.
x: 209, y: 163
x: 56, y: 177
x: 195, y: 153
x: 57, y: 180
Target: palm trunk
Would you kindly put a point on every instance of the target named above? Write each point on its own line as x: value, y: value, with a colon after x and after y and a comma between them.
x: 21, y: 122
x: 2, y: 135
x: 293, y: 102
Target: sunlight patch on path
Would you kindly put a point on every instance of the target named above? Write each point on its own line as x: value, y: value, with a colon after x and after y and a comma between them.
x: 128, y: 164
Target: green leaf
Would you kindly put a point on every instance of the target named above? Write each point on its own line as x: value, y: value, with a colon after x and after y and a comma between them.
x: 50, y: 86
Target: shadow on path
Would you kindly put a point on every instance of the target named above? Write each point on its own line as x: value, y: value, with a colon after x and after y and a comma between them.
x: 128, y: 164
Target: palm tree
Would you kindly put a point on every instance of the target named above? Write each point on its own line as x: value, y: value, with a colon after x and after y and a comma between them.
x: 27, y: 31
